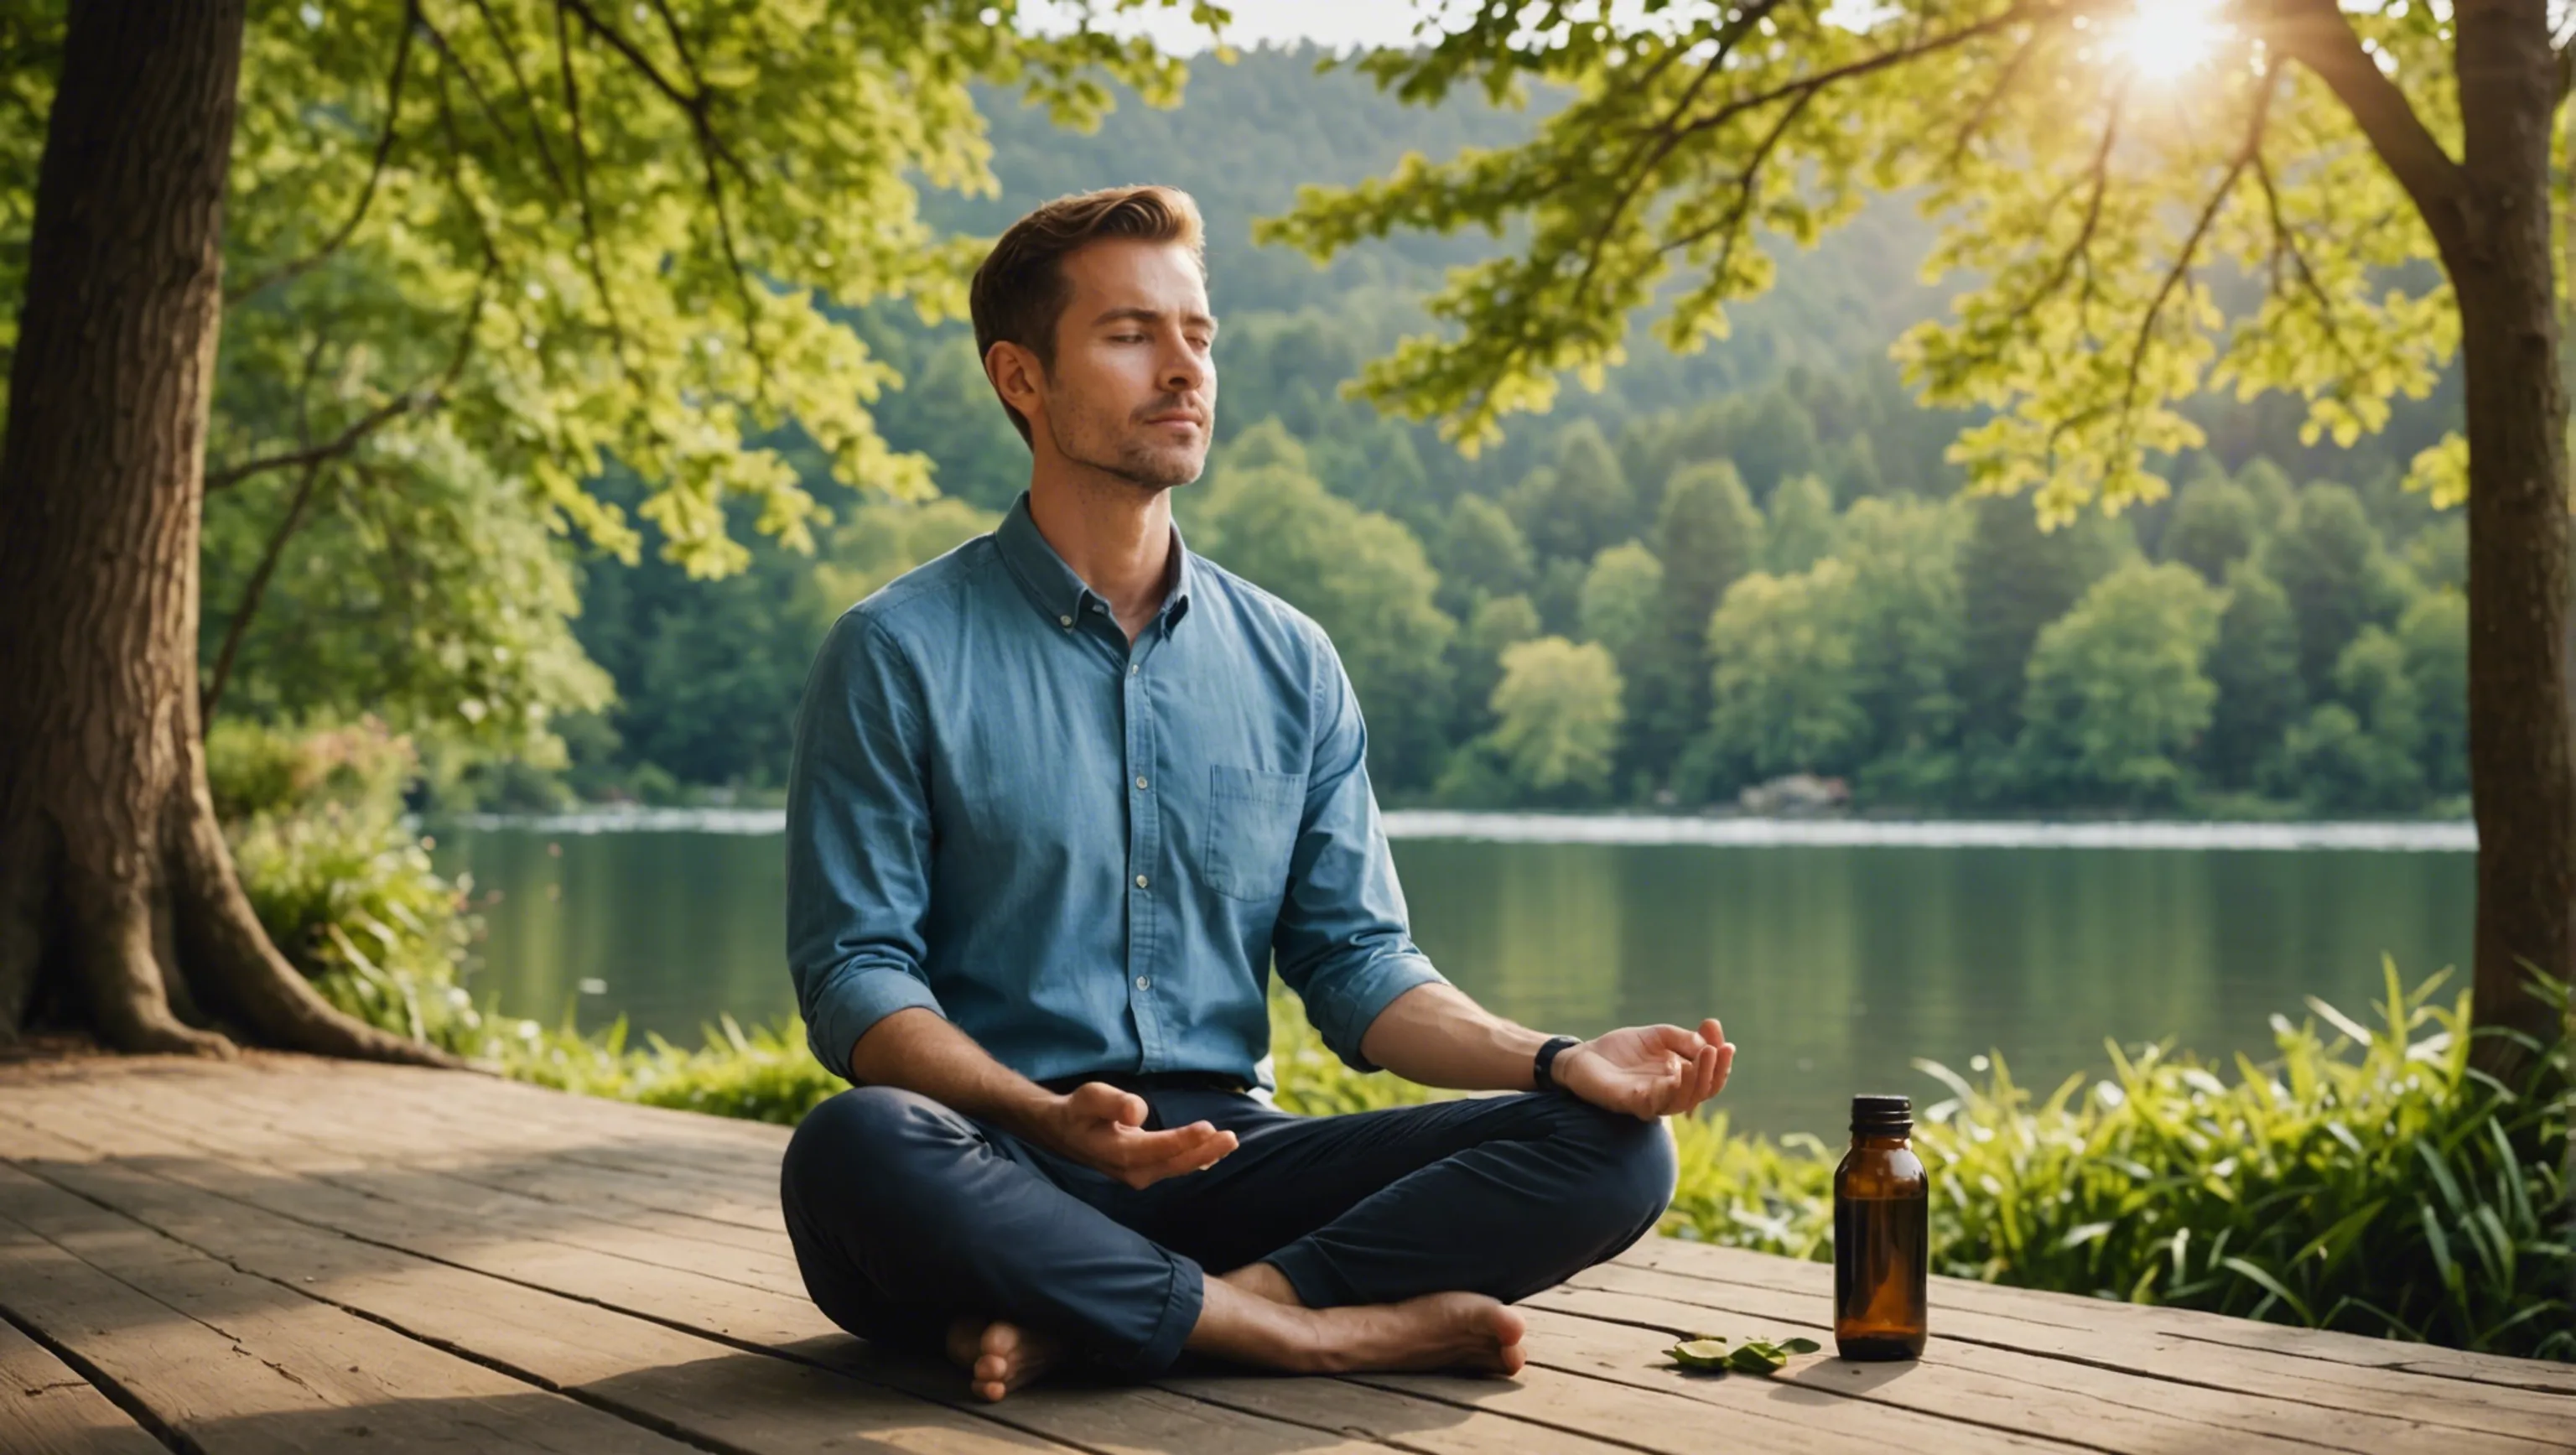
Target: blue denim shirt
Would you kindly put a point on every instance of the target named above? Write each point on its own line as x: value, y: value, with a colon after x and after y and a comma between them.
x: 1086, y: 854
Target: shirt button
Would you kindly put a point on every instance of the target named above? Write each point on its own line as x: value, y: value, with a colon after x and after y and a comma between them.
x: 1140, y: 881
x: 1144, y: 982
x: 1095, y: 606
x: 1134, y: 667
x: 1064, y: 621
x: 1140, y: 782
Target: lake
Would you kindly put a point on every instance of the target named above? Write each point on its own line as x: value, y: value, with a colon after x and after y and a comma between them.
x: 1836, y: 953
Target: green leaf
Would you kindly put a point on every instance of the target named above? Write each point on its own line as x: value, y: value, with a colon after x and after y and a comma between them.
x: 2272, y: 1286
x: 1756, y: 1357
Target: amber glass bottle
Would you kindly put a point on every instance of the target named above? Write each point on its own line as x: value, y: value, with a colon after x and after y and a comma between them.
x: 1882, y: 1245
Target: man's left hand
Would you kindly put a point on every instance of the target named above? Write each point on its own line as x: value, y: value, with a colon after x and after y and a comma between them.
x: 1647, y: 1071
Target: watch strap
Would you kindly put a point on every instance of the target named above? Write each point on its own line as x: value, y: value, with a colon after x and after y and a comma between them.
x: 1542, y: 1076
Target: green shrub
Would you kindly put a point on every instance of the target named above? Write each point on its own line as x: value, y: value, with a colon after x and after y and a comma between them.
x: 260, y: 770
x: 765, y: 1075
x: 345, y: 891
x: 1751, y: 1192
x: 2367, y: 1179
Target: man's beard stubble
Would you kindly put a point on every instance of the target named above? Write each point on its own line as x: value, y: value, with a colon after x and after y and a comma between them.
x: 1123, y: 454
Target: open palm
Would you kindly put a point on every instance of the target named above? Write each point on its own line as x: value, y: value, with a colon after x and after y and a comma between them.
x: 1648, y: 1071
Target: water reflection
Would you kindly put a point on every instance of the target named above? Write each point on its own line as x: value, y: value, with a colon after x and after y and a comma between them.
x: 1832, y: 965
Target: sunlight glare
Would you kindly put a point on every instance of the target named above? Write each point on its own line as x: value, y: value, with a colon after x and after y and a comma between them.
x: 2163, y: 39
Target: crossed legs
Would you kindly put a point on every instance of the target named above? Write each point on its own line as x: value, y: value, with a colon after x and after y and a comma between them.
x: 1388, y: 1239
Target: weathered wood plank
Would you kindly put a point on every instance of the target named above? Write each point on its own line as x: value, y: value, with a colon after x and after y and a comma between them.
x: 532, y: 1158
x: 605, y: 1203
x: 235, y: 1363
x: 2256, y: 1391
x: 1628, y: 1394
x: 645, y: 1371
x: 2109, y: 1409
x: 613, y: 1357
x: 2069, y: 1312
x: 1222, y: 1417
x: 1570, y: 1398
x: 48, y: 1409
x: 354, y: 1161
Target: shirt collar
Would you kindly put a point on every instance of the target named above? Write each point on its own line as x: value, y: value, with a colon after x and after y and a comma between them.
x: 1052, y: 586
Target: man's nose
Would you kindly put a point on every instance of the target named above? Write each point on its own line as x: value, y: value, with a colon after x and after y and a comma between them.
x: 1184, y: 372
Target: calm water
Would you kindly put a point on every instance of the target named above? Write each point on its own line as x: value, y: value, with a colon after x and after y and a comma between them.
x: 1833, y: 965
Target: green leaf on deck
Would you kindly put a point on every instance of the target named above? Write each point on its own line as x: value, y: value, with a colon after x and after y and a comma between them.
x: 1750, y: 1356
x: 1755, y: 1356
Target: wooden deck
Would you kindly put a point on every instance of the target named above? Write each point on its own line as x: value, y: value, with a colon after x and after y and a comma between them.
x: 286, y: 1255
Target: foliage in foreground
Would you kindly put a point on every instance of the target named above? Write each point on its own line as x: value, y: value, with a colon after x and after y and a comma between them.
x: 2363, y: 1179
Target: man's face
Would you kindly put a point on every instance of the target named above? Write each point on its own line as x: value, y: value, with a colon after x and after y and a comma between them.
x: 1133, y: 389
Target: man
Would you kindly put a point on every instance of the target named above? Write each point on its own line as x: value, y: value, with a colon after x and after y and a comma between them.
x: 1059, y: 799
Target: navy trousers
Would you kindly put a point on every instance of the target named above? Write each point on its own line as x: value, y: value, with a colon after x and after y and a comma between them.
x: 906, y: 1215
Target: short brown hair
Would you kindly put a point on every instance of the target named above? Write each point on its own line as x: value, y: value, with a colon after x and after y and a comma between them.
x: 1019, y: 291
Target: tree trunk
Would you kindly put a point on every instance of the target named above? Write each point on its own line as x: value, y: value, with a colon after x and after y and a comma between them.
x: 117, y: 894
x: 2502, y: 270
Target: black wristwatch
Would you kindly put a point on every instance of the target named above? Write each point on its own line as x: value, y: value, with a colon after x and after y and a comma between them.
x: 1540, y: 1077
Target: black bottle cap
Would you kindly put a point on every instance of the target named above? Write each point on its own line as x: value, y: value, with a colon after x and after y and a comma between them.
x: 1883, y: 1114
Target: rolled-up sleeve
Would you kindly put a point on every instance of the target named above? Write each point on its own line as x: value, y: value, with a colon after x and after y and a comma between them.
x: 858, y: 841
x: 1343, y: 941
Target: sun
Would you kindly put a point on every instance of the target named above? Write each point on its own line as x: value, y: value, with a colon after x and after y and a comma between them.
x: 2163, y: 39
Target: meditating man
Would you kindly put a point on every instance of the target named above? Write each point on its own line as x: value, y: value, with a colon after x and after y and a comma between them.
x: 1060, y: 800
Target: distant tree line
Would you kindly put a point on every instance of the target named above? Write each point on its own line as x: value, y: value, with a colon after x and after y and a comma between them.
x: 1720, y: 568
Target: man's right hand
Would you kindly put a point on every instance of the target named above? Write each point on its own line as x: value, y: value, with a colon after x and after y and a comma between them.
x: 1103, y: 1128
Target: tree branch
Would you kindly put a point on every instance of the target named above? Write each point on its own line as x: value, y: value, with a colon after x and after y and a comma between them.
x: 253, y: 590
x: 473, y: 83
x: 1993, y: 100
x: 2245, y: 158
x: 581, y: 199
x: 1747, y: 183
x: 321, y: 454
x: 2100, y: 173
x: 507, y: 44
x: 287, y: 272
x: 1895, y: 56
x: 429, y: 395
x: 696, y: 104
x: 455, y: 170
x: 1673, y: 130
x: 2315, y: 33
x: 1657, y: 142
x: 2285, y: 243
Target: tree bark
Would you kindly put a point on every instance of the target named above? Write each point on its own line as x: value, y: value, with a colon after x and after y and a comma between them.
x: 2503, y: 271
x: 117, y: 895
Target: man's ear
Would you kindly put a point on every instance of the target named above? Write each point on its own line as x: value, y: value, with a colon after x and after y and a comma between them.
x: 1016, y: 377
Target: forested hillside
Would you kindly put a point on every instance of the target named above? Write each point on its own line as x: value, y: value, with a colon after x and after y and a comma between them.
x: 1719, y: 569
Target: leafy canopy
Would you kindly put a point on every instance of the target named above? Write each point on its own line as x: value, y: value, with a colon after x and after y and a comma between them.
x: 584, y: 231
x: 482, y: 255
x: 2098, y: 201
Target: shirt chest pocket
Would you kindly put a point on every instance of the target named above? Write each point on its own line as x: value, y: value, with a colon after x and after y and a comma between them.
x: 1251, y: 830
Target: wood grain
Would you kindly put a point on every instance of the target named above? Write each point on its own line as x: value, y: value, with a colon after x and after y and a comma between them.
x: 627, y: 1264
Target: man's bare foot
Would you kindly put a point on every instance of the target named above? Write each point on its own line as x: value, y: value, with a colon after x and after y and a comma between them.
x: 999, y: 1356
x: 1435, y: 1331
